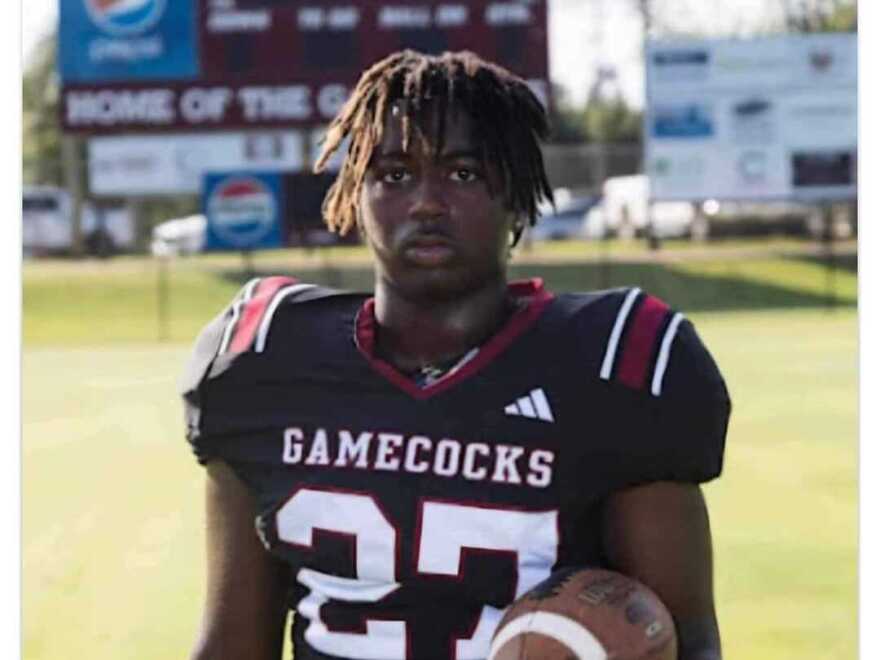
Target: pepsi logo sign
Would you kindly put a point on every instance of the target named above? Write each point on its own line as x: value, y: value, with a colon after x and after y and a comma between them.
x: 125, y: 17
x: 241, y: 210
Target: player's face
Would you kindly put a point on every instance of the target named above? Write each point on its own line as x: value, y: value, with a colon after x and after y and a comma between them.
x: 434, y: 228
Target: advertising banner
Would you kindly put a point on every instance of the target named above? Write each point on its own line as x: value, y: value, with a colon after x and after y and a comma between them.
x: 265, y: 210
x: 244, y: 211
x: 146, y: 165
x: 106, y: 40
x: 769, y: 118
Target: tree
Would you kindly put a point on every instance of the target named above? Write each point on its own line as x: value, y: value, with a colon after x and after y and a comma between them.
x: 599, y: 120
x: 820, y: 15
x: 661, y: 18
x: 612, y: 120
x: 41, y: 139
x: 566, y: 121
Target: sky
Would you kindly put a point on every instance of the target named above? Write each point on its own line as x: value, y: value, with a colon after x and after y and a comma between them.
x: 583, y: 34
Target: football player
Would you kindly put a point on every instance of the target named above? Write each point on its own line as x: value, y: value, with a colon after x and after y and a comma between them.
x: 396, y: 468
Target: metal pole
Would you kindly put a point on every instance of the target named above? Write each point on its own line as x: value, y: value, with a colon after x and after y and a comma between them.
x: 162, y: 295
x: 248, y: 259
x: 830, y: 262
x: 73, y: 181
x: 604, y: 240
x: 647, y: 25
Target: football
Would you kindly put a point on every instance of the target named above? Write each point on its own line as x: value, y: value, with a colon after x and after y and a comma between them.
x: 586, y: 614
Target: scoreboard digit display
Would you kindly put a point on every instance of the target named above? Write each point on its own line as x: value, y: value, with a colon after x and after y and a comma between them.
x: 270, y: 63
x: 256, y: 38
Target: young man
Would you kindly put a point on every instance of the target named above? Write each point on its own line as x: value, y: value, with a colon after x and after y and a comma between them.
x: 416, y: 460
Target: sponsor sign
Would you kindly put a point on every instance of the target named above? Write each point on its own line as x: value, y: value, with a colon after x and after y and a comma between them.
x: 243, y: 210
x: 768, y: 118
x: 171, y: 164
x: 692, y: 120
x: 812, y: 169
x: 753, y: 120
x: 105, y: 40
x: 680, y: 64
x: 125, y: 17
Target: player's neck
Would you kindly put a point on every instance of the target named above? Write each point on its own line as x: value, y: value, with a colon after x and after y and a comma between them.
x: 415, y: 333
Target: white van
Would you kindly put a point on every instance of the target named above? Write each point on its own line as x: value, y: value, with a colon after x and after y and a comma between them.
x: 47, y: 224
x: 623, y: 211
x: 179, y: 236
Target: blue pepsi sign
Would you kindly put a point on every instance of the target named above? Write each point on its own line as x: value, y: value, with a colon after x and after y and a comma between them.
x: 116, y: 40
x: 243, y: 210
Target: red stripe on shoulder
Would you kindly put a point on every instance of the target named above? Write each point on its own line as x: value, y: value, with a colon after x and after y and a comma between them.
x: 640, y: 342
x: 254, y: 310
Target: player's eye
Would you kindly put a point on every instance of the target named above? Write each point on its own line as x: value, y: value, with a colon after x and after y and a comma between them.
x: 396, y: 175
x: 464, y: 175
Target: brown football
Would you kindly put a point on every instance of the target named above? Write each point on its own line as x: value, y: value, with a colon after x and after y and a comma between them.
x: 586, y: 614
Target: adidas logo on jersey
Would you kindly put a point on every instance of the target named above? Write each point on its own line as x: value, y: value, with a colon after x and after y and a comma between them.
x: 534, y: 405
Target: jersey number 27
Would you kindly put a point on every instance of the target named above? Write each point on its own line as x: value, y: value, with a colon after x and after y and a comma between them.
x: 446, y: 530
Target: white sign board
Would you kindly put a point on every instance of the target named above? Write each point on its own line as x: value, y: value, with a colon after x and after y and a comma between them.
x: 176, y: 163
x: 759, y: 119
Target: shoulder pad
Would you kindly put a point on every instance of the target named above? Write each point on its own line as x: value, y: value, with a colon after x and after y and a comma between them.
x: 243, y: 326
x: 674, y: 402
x: 252, y: 313
x: 638, y: 341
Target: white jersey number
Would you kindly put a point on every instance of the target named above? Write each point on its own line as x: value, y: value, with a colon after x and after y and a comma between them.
x: 447, y: 532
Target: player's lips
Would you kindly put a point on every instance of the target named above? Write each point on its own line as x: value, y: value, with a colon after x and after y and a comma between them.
x: 429, y: 249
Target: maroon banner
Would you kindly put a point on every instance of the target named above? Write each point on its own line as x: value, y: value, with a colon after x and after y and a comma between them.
x: 148, y: 108
x: 273, y: 63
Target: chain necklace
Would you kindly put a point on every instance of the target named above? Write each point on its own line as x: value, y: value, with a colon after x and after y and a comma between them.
x: 428, y: 374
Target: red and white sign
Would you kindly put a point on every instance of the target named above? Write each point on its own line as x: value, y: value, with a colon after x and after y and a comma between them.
x: 242, y: 210
x: 125, y: 17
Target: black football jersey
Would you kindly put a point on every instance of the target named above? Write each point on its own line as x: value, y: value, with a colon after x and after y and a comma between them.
x: 412, y: 516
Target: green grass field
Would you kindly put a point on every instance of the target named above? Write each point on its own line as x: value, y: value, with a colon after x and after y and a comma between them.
x: 112, y: 501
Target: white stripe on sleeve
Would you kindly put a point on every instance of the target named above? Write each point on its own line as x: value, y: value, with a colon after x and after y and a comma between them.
x: 263, y: 332
x: 236, y: 313
x: 663, y: 357
x: 611, y: 350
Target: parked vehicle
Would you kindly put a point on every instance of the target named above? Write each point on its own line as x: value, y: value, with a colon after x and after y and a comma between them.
x: 179, y: 236
x: 722, y: 219
x: 567, y: 222
x: 47, y: 224
x: 623, y: 211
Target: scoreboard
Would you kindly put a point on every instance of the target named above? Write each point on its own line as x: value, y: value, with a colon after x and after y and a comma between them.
x: 193, y: 65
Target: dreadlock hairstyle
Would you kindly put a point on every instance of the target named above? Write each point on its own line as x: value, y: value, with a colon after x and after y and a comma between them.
x: 508, y: 120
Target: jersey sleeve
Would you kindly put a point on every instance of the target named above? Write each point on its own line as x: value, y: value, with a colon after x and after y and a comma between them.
x: 239, y: 330
x: 688, y: 412
x: 671, y: 407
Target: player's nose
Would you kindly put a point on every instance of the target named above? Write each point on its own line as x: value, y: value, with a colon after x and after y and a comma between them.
x: 428, y: 201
